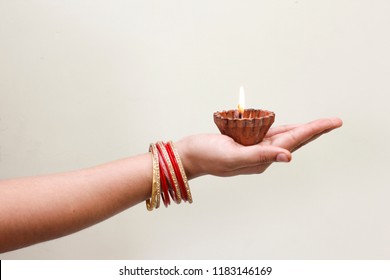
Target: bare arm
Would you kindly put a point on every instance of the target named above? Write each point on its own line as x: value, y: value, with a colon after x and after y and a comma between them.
x: 37, y: 209
x: 40, y: 208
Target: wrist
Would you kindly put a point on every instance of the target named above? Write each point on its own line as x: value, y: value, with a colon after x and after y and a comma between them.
x: 189, y: 158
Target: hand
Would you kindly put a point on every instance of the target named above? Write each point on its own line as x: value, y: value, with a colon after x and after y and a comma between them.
x: 219, y: 155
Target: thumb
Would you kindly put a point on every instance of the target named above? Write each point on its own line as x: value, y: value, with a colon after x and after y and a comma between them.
x: 255, y: 155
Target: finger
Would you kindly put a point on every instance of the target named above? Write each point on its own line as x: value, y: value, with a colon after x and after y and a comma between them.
x: 280, y: 129
x: 311, y: 139
x: 257, y: 155
x: 284, y: 128
x: 301, y: 135
x: 249, y: 170
x: 258, y: 169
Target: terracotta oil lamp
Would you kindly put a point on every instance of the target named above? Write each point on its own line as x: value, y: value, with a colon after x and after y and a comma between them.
x: 246, y: 126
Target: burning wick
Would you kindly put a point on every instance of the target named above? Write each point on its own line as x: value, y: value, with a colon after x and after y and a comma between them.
x: 241, y: 103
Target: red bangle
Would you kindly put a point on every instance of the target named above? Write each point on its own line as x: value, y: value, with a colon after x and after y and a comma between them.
x: 176, y: 196
x: 166, y: 177
x: 177, y: 171
x: 164, y: 183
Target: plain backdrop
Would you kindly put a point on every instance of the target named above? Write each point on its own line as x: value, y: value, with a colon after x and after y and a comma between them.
x: 86, y: 82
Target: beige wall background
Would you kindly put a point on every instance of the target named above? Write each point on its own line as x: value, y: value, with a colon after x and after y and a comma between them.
x: 85, y: 82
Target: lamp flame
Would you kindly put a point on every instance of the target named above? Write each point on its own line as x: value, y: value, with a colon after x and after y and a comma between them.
x: 241, y: 101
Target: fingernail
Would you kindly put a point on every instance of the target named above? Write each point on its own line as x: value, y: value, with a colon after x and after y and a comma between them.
x: 282, y: 158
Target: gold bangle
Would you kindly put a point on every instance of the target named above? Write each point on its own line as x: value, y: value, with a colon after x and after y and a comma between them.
x: 171, y: 170
x: 182, y: 171
x: 154, y: 200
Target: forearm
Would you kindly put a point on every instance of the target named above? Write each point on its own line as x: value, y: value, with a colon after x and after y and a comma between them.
x: 41, y: 208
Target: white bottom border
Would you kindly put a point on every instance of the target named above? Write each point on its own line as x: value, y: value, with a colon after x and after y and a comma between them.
x: 194, y: 269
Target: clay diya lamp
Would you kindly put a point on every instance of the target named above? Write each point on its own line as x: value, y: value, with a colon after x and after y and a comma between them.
x: 246, y: 126
x: 249, y: 129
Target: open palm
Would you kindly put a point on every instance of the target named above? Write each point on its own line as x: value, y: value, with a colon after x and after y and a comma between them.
x: 219, y: 155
